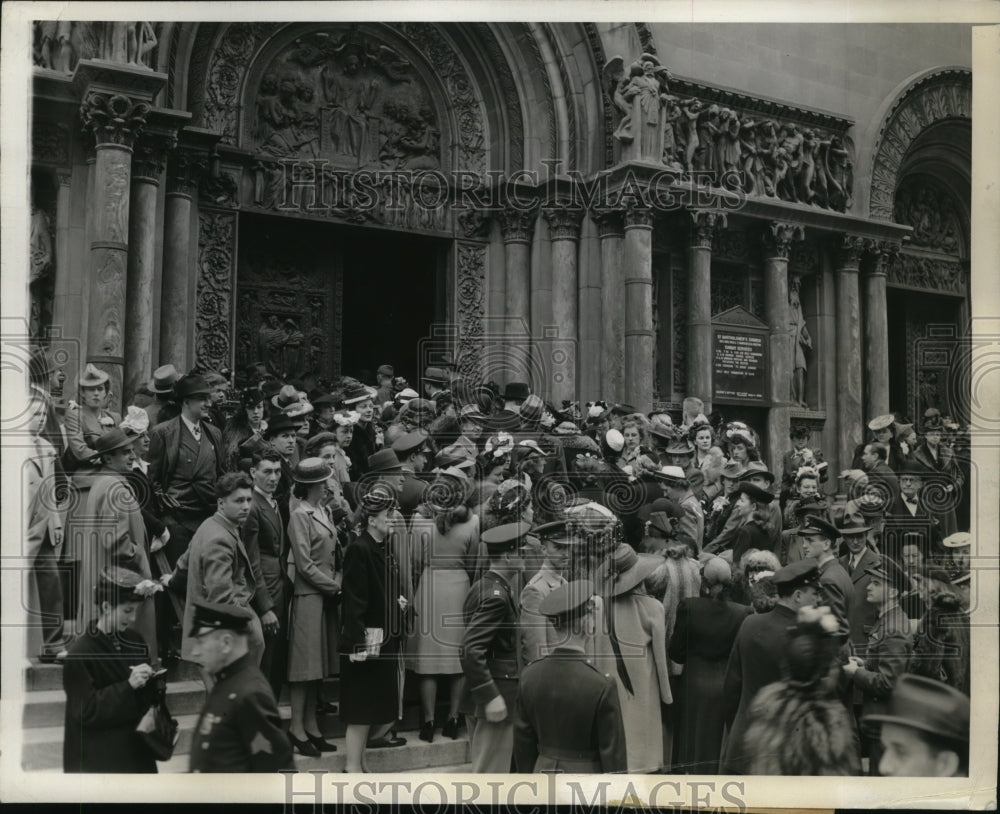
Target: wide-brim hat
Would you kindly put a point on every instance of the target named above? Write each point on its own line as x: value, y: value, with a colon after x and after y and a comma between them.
x: 680, y: 448
x: 282, y: 423
x: 516, y: 391
x: 734, y: 470
x: 383, y: 462
x: 385, y: 370
x: 191, y: 385
x: 320, y: 440
x: 661, y: 522
x: 163, y: 380
x: 114, y: 580
x: 914, y: 469
x: 957, y: 540
x: 532, y: 408
x: 623, y: 409
x: 630, y: 568
x: 312, y: 470
x: 356, y: 393
x: 759, y: 468
x: 323, y: 400
x: 754, y: 492
x: 566, y: 428
x: 928, y: 705
x: 670, y: 474
x: 92, y: 377
x: 436, y: 375
x: 116, y: 438
x: 663, y: 433
x: 882, y: 422
x: 847, y: 531
x: 406, y: 394
x: 136, y: 421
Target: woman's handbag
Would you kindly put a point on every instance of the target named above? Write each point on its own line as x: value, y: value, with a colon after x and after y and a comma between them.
x: 159, y: 730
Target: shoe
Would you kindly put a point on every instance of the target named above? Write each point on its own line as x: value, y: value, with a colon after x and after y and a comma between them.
x: 303, y: 747
x: 427, y: 731
x: 450, y: 728
x: 320, y: 743
x: 327, y: 708
x: 386, y: 741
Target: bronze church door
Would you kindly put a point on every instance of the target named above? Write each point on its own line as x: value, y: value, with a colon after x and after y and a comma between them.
x: 289, y: 290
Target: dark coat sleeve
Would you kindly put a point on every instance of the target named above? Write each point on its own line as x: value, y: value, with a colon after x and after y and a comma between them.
x: 355, y: 597
x: 261, y: 727
x: 525, y: 740
x: 732, y: 687
x: 611, y: 731
x: 678, y: 642
x: 480, y: 632
x: 115, y: 705
x: 262, y: 601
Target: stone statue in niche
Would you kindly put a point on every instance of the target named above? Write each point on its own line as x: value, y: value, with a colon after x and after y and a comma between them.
x: 641, y: 96
x: 337, y: 96
x: 40, y: 244
x: 128, y: 42
x: 671, y: 145
x: 727, y: 144
x: 60, y: 44
x: 839, y: 171
x: 802, y: 340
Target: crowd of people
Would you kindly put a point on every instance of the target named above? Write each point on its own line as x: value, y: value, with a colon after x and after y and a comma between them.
x: 592, y: 589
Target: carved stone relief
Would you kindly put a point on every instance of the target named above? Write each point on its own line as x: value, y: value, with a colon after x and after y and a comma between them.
x: 679, y: 324
x: 60, y: 44
x: 930, y: 273
x: 470, y: 302
x: 931, y: 211
x: 216, y: 245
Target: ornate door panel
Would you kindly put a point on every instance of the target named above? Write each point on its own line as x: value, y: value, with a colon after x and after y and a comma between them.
x: 289, y: 308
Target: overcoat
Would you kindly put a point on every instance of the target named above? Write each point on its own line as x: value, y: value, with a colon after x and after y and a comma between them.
x: 489, y: 648
x: 862, y: 615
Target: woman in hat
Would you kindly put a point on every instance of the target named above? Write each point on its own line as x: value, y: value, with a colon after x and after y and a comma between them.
x: 328, y: 447
x: 635, y: 452
x: 941, y: 643
x: 634, y: 651
x: 491, y: 467
x: 740, y: 446
x: 89, y: 420
x: 136, y: 424
x: 882, y: 430
x: 314, y: 624
x: 750, y: 510
x: 246, y: 425
x: 445, y: 541
x: 702, y: 640
x: 799, y: 726
x: 708, y: 458
x: 373, y: 629
x: 939, y: 457
x: 110, y: 682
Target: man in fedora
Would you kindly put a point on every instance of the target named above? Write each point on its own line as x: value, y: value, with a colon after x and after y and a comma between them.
x: 536, y: 636
x: 757, y: 655
x: 568, y: 716
x: 161, y: 385
x: 363, y: 444
x: 819, y: 542
x: 281, y: 436
x: 514, y: 394
x: 888, y: 650
x: 676, y: 487
x: 436, y: 381
x: 924, y: 731
x: 856, y: 562
x: 489, y: 651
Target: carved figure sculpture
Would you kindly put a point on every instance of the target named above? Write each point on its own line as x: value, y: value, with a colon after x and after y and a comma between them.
x: 350, y: 97
x: 40, y: 244
x: 802, y: 340
x: 641, y: 97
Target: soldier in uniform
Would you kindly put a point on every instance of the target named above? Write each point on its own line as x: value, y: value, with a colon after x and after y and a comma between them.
x: 489, y: 651
x: 411, y: 449
x: 888, y: 652
x: 536, y: 634
x: 568, y: 716
x: 818, y: 540
x: 239, y: 729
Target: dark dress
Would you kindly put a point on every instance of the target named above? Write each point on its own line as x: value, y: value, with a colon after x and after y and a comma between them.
x: 703, y: 639
x: 370, y: 689
x: 748, y: 536
x: 102, y: 708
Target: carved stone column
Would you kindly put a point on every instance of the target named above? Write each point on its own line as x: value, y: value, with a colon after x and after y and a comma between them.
x: 114, y: 120
x: 777, y: 242
x: 148, y: 163
x: 185, y: 166
x: 638, y: 270
x: 699, y: 303
x: 878, y: 257
x: 517, y: 227
x: 611, y: 231
x: 564, y: 239
x: 849, y: 407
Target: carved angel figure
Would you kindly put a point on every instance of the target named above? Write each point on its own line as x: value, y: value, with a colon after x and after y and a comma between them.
x: 641, y: 97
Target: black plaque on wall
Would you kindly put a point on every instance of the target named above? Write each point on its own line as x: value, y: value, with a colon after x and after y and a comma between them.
x: 739, y: 358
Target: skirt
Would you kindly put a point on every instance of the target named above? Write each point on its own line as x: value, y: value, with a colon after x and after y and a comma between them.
x: 313, y: 635
x: 371, y: 691
x: 433, y: 647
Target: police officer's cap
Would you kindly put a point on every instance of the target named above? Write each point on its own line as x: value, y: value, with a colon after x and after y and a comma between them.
x: 554, y: 532
x: 220, y: 616
x: 568, y: 601
x: 507, y: 537
x: 889, y: 571
x: 406, y: 444
x: 798, y: 574
x: 818, y: 527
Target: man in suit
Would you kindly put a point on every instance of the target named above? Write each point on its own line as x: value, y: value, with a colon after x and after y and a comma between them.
x: 363, y: 443
x: 858, y: 559
x: 218, y: 567
x: 888, y: 651
x: 411, y: 449
x: 880, y: 476
x: 568, y: 716
x: 757, y: 656
x: 264, y: 536
x: 489, y: 651
x: 818, y: 540
x: 908, y: 512
x: 280, y: 436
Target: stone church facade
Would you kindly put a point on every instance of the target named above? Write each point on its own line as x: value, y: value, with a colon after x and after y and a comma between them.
x: 773, y: 218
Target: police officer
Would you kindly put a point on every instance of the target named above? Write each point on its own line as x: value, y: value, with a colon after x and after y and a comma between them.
x: 411, y: 449
x: 568, y: 715
x: 819, y: 540
x: 489, y: 651
x: 535, y: 633
x: 239, y: 729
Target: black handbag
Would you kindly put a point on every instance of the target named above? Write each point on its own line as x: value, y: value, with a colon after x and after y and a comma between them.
x: 159, y: 730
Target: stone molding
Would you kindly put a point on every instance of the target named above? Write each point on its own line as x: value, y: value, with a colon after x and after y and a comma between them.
x: 778, y: 238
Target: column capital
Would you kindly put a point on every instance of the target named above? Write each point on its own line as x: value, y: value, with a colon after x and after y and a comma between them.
x: 778, y: 237
x: 114, y: 119
x: 149, y: 156
x: 185, y: 168
x: 64, y: 176
x: 638, y: 217
x: 610, y: 220
x: 517, y: 224
x: 849, y: 249
x: 564, y: 221
x: 880, y: 256
x: 706, y: 221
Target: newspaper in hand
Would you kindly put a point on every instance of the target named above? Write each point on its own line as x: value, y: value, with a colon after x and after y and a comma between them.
x: 373, y: 640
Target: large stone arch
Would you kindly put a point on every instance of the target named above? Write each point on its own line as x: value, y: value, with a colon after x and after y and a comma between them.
x: 932, y: 98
